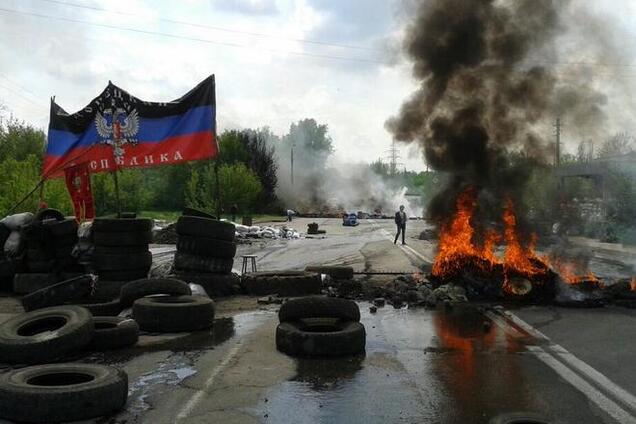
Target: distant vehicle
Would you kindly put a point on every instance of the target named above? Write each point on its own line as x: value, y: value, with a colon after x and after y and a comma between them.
x: 350, y: 220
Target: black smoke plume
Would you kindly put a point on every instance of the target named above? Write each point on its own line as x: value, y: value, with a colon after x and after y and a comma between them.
x: 488, y: 92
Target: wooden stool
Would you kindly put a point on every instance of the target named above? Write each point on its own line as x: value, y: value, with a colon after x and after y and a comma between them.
x: 245, y: 259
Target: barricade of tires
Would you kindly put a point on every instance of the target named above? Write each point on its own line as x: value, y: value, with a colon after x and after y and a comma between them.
x: 206, y: 248
x: 48, y: 241
x: 121, y: 248
x: 70, y: 391
x: 320, y: 326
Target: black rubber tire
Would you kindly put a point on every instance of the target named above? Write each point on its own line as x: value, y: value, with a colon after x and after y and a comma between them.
x: 184, y: 261
x: 337, y: 272
x: 283, y: 283
x: 124, y: 275
x: 205, y: 246
x: 204, y: 227
x: 215, y: 285
x: 319, y: 307
x: 122, y: 225
x: 59, y: 293
x: 122, y: 239
x: 173, y: 314
x: 48, y: 213
x: 102, y: 309
x: 65, y: 227
x: 520, y: 418
x: 196, y: 212
x: 307, y: 339
x: 106, y: 290
x: 5, y: 232
x: 113, y: 333
x: 21, y: 338
x: 41, y: 267
x: 122, y: 261
x: 7, y: 268
x: 67, y: 392
x: 28, y: 283
x: 148, y: 286
x: 118, y: 250
x: 38, y: 255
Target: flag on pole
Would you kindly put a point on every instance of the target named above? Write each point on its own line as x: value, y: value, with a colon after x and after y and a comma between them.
x: 117, y: 130
x: 78, y: 183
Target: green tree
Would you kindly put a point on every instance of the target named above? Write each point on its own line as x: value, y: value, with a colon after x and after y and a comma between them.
x: 312, y: 143
x: 239, y: 185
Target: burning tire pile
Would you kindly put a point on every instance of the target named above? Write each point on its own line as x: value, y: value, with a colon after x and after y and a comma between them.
x: 44, y: 334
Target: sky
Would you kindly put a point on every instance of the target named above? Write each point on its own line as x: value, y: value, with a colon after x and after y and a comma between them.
x: 275, y: 61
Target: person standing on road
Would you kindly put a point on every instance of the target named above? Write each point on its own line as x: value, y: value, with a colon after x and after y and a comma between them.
x: 290, y: 214
x: 400, y: 221
x: 234, y: 211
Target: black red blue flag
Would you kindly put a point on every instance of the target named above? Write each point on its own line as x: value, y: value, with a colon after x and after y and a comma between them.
x: 118, y: 130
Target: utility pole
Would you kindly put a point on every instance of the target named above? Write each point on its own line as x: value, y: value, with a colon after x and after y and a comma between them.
x: 393, y: 157
x: 557, y: 126
x: 292, y: 163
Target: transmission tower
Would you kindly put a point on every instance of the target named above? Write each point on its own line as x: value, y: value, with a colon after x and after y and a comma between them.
x: 393, y: 158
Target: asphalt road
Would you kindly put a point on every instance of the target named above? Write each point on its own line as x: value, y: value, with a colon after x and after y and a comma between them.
x: 464, y: 365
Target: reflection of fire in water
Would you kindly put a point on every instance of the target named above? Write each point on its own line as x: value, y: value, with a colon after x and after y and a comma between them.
x: 458, y: 252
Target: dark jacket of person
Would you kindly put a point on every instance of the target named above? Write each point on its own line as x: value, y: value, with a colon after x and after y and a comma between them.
x: 398, y: 219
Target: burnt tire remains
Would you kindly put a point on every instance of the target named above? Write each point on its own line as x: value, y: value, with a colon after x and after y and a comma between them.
x: 173, y: 314
x: 113, y: 332
x: 320, y: 337
x: 62, y: 392
x: 45, y: 335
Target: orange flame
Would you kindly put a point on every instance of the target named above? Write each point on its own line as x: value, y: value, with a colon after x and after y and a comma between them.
x: 457, y: 250
x: 632, y: 285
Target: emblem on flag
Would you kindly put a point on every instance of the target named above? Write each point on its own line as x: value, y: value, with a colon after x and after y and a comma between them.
x: 117, y: 128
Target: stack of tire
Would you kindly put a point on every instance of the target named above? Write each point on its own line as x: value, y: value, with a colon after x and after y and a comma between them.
x: 205, y: 254
x: 120, y: 251
x: 282, y: 283
x: 49, y: 242
x: 57, y: 392
x: 320, y: 326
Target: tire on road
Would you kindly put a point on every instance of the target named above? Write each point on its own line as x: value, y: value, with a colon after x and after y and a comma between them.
x: 205, y: 227
x: 215, y: 285
x: 122, y: 261
x: 28, y: 283
x: 102, y: 309
x: 196, y: 212
x: 22, y: 338
x: 205, y: 246
x: 64, y: 227
x: 113, y: 332
x: 148, y: 286
x: 124, y: 275
x: 319, y: 307
x: 173, y: 314
x: 284, y: 283
x: 62, y: 392
x: 59, y: 293
x: 122, y: 225
x: 185, y: 261
x: 320, y: 337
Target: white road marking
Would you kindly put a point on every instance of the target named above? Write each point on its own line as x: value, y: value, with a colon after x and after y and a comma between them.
x: 196, y: 398
x: 405, y: 248
x: 566, y: 367
x: 595, y: 396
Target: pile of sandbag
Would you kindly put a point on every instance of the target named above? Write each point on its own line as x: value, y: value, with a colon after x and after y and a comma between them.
x: 255, y: 231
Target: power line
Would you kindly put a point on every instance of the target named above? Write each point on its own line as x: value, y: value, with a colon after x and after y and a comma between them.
x: 183, y: 37
x: 215, y: 28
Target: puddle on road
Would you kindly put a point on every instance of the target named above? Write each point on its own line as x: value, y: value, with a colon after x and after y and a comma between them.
x: 419, y: 366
